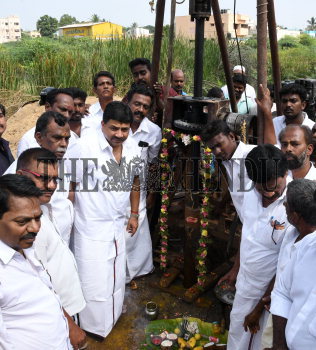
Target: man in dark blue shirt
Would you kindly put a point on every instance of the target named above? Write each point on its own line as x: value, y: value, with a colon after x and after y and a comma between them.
x: 6, y: 157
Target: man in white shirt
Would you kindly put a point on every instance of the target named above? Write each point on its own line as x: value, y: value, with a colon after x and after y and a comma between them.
x: 293, y: 298
x: 104, y: 88
x: 57, y: 100
x: 293, y: 103
x: 264, y: 223
x: 245, y: 104
x: 232, y: 153
x: 31, y: 316
x: 299, y: 196
x: 41, y: 166
x: 52, y: 132
x: 249, y: 90
x: 148, y: 137
x: 107, y: 173
x: 297, y: 145
x: 77, y: 121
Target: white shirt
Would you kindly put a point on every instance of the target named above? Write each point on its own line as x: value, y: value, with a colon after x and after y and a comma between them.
x: 294, y: 297
x: 28, y: 141
x: 60, y: 263
x: 238, y: 180
x: 105, y: 185
x: 31, y: 315
x: 150, y: 133
x: 95, y: 115
x: 311, y: 175
x: 279, y: 124
x: 249, y: 92
x: 84, y: 128
x: 258, y: 252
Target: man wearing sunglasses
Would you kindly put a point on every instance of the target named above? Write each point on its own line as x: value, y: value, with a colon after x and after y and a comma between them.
x: 41, y: 166
x: 264, y: 224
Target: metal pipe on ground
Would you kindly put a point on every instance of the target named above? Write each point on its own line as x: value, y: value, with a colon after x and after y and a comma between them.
x: 160, y: 11
x: 274, y: 54
x: 261, y: 58
x: 224, y: 53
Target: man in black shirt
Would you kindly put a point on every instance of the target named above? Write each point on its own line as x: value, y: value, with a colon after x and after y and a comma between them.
x: 6, y: 157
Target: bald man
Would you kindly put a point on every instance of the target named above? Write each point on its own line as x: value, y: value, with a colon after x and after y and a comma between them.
x: 177, y: 81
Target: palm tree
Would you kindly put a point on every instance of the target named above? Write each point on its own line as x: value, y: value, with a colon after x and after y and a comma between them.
x: 95, y: 18
x: 311, y: 24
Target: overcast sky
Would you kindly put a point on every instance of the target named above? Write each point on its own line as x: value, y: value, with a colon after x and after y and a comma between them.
x: 288, y: 13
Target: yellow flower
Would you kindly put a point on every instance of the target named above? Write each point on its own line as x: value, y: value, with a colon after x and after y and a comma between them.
x: 207, y: 149
x: 164, y: 140
x: 204, y: 233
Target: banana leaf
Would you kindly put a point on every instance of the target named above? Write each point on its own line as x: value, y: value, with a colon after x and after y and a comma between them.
x: 158, y: 326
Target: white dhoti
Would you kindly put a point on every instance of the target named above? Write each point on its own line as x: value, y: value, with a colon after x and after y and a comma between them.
x: 139, y: 257
x: 238, y: 339
x: 101, y: 267
x: 248, y: 293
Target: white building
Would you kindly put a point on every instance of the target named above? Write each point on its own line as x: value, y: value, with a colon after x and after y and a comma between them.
x: 137, y: 32
x: 10, y: 29
x: 282, y: 32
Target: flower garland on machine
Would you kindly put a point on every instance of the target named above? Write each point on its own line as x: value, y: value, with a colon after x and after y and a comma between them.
x: 208, y: 168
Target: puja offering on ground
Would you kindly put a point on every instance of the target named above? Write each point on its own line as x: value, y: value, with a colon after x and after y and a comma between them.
x: 184, y: 333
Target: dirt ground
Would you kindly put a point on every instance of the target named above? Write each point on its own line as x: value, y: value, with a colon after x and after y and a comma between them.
x: 129, y: 332
x: 25, y: 118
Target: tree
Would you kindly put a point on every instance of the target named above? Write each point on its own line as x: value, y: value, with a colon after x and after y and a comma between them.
x: 288, y: 41
x: 47, y: 25
x: 150, y: 28
x: 307, y: 40
x: 134, y: 25
x: 67, y: 19
x: 95, y: 18
x: 311, y: 24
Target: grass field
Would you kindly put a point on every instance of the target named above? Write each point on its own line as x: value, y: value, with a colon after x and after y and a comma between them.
x: 31, y: 64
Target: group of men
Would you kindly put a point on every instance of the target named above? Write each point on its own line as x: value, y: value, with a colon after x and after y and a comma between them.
x: 74, y: 227
x: 272, y: 187
x: 89, y: 193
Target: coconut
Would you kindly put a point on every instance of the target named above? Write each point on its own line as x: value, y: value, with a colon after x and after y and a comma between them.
x: 166, y: 344
x: 172, y: 336
x: 163, y: 335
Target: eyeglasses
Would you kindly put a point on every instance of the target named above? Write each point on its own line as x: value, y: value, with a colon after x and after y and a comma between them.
x: 44, y: 178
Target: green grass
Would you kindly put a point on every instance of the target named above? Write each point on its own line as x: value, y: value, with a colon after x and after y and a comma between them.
x: 31, y: 64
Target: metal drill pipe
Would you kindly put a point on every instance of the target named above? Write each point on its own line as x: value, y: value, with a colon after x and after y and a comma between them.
x: 224, y: 53
x: 160, y: 11
x: 261, y: 58
x: 198, y: 61
x: 274, y: 54
x: 170, y: 55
